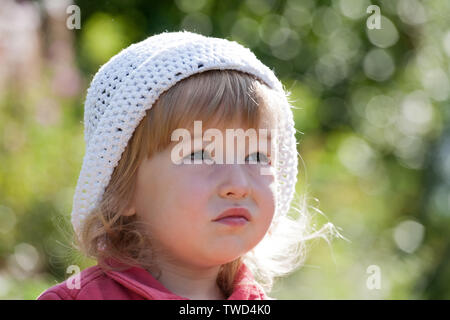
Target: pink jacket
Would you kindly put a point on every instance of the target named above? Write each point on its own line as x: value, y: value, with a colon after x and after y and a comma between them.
x: 137, y: 283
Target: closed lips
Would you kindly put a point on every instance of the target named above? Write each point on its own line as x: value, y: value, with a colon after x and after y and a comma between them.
x: 235, y: 212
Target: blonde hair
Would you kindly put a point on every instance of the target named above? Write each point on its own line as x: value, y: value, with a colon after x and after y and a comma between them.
x: 216, y: 97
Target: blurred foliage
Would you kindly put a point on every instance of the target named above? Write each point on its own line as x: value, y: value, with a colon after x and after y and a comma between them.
x: 372, y: 114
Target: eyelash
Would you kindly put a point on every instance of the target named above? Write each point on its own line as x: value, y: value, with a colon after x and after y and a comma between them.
x: 203, y: 151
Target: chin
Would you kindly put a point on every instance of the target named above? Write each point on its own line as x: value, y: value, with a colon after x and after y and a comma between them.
x: 227, y: 255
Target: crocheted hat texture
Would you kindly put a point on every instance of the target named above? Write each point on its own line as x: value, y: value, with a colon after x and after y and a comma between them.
x: 131, y: 81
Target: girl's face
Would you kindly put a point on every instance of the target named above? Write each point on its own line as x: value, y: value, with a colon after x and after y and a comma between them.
x: 179, y: 203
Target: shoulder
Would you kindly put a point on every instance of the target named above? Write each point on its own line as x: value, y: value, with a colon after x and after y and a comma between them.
x: 85, y: 285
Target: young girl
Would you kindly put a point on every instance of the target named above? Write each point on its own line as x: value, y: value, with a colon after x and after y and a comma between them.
x: 164, y: 229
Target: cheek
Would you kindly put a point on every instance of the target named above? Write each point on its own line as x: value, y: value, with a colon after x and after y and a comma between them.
x: 179, y: 200
x: 191, y: 191
x: 268, y: 209
x: 268, y: 197
x: 265, y: 178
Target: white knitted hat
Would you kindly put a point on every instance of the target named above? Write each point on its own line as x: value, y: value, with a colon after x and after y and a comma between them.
x: 131, y: 81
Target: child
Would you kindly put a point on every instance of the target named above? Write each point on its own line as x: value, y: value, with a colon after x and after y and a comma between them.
x: 155, y: 224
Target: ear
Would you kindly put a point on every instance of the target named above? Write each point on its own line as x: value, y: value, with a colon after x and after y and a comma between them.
x: 131, y: 211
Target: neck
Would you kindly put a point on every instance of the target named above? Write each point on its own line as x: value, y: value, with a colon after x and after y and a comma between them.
x: 195, y: 283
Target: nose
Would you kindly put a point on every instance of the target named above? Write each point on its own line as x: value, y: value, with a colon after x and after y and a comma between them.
x: 236, y: 184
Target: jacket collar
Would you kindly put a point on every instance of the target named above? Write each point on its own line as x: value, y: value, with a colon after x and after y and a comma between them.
x: 143, y: 283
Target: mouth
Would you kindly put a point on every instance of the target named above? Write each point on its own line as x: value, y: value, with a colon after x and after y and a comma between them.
x: 234, y: 216
x: 233, y: 221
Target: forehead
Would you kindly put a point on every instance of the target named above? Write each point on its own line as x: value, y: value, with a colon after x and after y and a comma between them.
x: 265, y: 120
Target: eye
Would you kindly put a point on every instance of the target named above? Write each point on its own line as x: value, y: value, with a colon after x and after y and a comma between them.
x: 259, y: 158
x: 201, y: 155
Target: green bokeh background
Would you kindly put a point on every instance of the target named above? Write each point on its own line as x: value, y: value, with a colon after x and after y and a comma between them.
x: 372, y: 118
